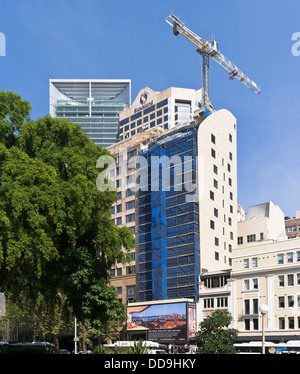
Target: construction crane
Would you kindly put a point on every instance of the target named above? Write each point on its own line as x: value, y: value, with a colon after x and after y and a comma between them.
x: 209, y: 50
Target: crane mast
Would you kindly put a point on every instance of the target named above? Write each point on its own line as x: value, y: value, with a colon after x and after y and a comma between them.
x: 209, y: 50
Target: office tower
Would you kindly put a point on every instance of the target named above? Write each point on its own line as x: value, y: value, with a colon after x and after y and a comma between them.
x: 94, y: 104
x: 187, y: 228
x: 164, y: 109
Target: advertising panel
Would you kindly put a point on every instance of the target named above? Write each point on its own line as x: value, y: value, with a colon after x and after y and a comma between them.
x: 165, y: 323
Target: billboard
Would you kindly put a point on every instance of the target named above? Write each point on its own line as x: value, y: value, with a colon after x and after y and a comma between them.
x: 166, y: 323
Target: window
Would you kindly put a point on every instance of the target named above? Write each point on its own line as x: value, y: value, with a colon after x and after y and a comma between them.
x: 217, y: 242
x: 212, y: 224
x: 255, y: 283
x: 240, y: 240
x: 212, y: 195
x: 229, y: 167
x: 250, y: 284
x: 298, y: 256
x: 119, y: 272
x: 213, y: 138
x: 280, y: 258
x: 230, y: 156
x: 129, y: 193
x: 247, y: 306
x: 280, y: 302
x: 215, y: 183
x: 251, y: 238
x: 130, y: 270
x: 131, y: 154
x: 291, y: 228
x: 280, y: 281
x: 222, y: 302
x: 217, y: 256
x: 255, y: 323
x: 119, y: 221
x: 291, y: 322
x: 247, y: 324
x: 289, y: 257
x: 208, y: 303
x: 130, y: 217
x: 230, y: 138
x: 119, y: 290
x: 290, y: 279
x: 246, y: 263
x: 254, y: 262
x: 130, y: 293
x: 231, y: 195
x: 119, y: 208
x: 281, y: 323
x: 215, y: 169
x: 290, y: 301
x: 213, y: 153
x: 216, y: 212
x: 130, y: 205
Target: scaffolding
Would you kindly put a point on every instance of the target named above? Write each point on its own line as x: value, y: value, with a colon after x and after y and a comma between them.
x: 168, y: 223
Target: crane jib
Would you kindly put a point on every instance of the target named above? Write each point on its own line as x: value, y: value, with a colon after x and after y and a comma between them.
x: 211, y: 50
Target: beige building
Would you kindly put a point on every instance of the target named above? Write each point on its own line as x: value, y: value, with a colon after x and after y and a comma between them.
x: 217, y: 180
x: 262, y: 222
x: 292, y: 226
x: 267, y: 273
x: 123, y: 212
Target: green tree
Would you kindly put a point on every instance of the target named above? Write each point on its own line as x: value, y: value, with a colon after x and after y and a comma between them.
x: 56, y: 232
x: 214, y: 336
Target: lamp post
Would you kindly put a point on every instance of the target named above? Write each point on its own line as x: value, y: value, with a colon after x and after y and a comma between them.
x: 263, y: 309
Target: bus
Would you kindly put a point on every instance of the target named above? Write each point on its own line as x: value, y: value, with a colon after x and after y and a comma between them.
x: 125, y: 345
x: 255, y: 347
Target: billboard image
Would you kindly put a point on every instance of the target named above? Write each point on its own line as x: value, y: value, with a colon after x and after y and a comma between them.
x: 162, y: 322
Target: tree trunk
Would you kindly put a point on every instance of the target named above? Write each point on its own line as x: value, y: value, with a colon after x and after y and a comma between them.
x: 84, y: 336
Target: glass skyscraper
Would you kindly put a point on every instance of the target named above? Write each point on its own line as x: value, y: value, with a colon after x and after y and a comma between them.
x: 94, y: 104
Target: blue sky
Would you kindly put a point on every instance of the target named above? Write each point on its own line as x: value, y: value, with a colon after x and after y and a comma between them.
x: 130, y: 39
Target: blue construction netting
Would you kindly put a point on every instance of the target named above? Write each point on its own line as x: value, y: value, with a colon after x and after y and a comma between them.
x: 168, y: 226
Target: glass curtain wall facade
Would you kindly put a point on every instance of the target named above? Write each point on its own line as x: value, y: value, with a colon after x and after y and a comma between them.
x: 168, y: 223
x: 93, y: 104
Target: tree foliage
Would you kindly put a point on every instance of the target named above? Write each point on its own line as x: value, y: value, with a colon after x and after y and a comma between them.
x: 214, y: 336
x: 56, y: 232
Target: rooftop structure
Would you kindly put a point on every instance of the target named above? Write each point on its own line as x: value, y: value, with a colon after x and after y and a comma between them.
x: 94, y: 104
